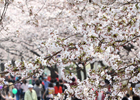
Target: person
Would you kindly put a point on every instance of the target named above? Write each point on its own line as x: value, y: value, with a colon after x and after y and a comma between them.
x: 38, y: 88
x: 43, y: 87
x: 124, y: 98
x: 24, y: 87
x: 73, y: 82
x: 18, y: 87
x: 30, y: 94
x: 46, y: 83
x: 13, y: 80
x: 11, y: 86
x: 16, y: 78
x: 8, y: 97
x: 58, y: 88
x: 6, y: 87
x: 5, y: 91
x: 34, y: 80
x: 64, y: 87
x: 128, y: 96
x: 51, y: 92
x: 30, y: 80
x: 136, y: 97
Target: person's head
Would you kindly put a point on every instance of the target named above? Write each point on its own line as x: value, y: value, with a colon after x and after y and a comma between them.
x: 45, y: 78
x: 60, y: 81
x: 24, y: 81
x: 135, y: 97
x: 57, y: 84
x: 51, y: 85
x: 37, y: 82
x: 52, y: 81
x: 124, y: 98
x: 30, y: 87
x: 127, y: 95
x: 73, y: 79
x: 17, y: 80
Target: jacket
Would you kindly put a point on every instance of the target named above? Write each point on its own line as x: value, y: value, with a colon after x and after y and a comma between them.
x: 30, y: 95
x: 58, y: 90
x: 46, y: 84
x: 38, y: 90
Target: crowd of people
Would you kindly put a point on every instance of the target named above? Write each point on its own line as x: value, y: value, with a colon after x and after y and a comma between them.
x: 35, y: 88
x: 45, y: 88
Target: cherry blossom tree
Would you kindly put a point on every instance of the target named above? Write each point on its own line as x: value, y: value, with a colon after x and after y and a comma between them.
x: 82, y: 32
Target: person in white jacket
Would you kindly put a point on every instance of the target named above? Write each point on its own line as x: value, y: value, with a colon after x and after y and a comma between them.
x: 30, y: 94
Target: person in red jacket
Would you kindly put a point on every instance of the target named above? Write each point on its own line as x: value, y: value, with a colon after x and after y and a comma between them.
x: 58, y: 88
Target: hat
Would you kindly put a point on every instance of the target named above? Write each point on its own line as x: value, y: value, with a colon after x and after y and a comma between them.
x: 6, y: 83
x: 45, y: 78
x: 30, y: 86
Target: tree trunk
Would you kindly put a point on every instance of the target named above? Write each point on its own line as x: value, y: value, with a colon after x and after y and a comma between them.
x: 91, y: 65
x: 79, y: 72
x: 84, y: 71
x: 52, y: 71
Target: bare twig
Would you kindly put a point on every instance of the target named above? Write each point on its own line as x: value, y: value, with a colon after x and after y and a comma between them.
x: 4, y: 10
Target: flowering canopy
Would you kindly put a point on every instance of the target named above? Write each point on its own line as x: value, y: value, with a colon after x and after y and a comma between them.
x: 96, y: 32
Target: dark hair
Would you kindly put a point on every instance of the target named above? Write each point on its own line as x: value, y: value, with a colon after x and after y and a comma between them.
x: 57, y: 76
x: 60, y: 81
x: 73, y: 79
x: 24, y: 81
x: 18, y: 80
x: 19, y: 77
x: 125, y: 98
x: 37, y: 82
x: 127, y: 95
x: 65, y: 81
x: 51, y: 85
x: 51, y: 80
x: 136, y: 97
x: 57, y: 84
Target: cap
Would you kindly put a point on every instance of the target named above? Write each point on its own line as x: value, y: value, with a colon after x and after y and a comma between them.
x: 30, y: 86
x: 45, y: 77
